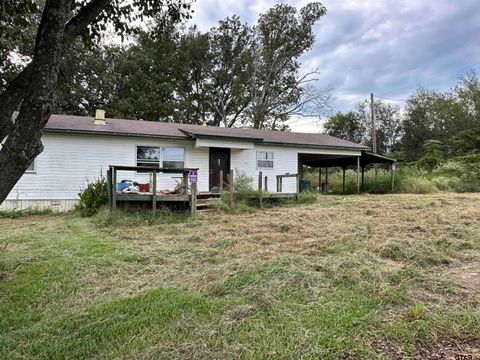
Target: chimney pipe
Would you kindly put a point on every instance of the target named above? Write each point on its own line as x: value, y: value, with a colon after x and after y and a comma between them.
x: 99, y: 113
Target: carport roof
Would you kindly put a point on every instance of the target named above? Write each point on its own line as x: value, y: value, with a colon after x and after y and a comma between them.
x: 366, y: 158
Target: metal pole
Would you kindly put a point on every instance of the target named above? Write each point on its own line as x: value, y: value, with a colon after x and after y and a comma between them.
x: 372, y: 115
x: 343, y: 179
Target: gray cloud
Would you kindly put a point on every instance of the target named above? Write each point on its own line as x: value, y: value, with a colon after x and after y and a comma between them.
x: 388, y: 47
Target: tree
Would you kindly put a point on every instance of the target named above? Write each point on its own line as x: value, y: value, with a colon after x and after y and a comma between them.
x: 388, y: 125
x: 31, y: 91
x: 280, y: 38
x: 194, y: 100
x: 349, y: 126
x: 432, y: 155
x: 231, y: 68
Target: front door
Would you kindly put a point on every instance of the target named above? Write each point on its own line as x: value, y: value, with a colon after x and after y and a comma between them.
x: 219, y: 161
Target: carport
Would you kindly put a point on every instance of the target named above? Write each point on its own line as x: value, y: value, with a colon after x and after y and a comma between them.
x: 357, y: 163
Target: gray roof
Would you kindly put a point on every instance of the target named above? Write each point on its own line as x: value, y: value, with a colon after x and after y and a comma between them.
x: 123, y: 127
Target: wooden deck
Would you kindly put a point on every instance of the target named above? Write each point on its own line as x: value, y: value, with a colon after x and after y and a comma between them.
x: 149, y: 197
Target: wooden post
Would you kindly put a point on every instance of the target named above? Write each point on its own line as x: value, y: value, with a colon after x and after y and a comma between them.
x: 221, y: 180
x: 154, y: 191
x: 358, y: 175
x: 392, y: 169
x: 298, y: 184
x: 260, y: 187
x: 109, y: 187
x: 363, y: 178
x: 266, y: 183
x: 114, y: 192
x: 320, y: 179
x: 278, y: 184
x: 231, y: 186
x: 185, y: 183
x: 343, y: 168
x: 326, y: 180
x: 193, y: 198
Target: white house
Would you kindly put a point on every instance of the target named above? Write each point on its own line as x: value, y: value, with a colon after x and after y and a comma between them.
x: 79, y: 149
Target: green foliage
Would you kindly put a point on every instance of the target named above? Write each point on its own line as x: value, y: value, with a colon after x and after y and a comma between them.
x: 356, y: 125
x: 414, y: 185
x: 348, y: 126
x: 243, y: 184
x: 306, y: 197
x: 432, y: 155
x: 416, y: 311
x: 183, y: 75
x: 93, y: 197
x: 450, y: 117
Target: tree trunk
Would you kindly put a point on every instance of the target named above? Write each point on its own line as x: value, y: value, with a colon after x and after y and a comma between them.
x: 23, y: 142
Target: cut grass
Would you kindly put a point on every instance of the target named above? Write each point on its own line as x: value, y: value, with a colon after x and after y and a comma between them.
x: 360, y: 277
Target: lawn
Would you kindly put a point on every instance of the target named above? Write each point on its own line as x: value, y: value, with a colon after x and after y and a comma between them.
x: 393, y: 276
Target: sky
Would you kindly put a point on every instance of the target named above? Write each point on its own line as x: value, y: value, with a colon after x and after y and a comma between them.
x: 388, y: 47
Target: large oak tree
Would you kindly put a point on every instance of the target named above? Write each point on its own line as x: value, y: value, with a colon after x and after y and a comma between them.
x: 30, y: 92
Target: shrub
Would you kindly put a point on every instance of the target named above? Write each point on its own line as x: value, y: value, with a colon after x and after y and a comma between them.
x: 306, y: 197
x: 242, y: 183
x: 442, y: 183
x: 93, y: 197
x: 416, y: 186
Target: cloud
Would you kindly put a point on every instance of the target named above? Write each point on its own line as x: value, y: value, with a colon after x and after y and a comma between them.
x: 388, y: 47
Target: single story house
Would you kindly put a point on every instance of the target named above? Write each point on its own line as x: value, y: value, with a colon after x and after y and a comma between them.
x: 79, y: 149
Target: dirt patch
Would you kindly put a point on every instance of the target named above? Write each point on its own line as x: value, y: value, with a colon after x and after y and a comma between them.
x: 449, y: 351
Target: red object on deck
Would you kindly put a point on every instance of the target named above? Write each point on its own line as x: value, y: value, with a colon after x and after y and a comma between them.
x: 143, y: 187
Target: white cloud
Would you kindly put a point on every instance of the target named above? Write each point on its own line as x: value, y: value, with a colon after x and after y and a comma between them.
x: 388, y: 47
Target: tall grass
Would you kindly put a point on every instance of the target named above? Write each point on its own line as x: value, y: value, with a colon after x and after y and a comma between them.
x: 375, y: 182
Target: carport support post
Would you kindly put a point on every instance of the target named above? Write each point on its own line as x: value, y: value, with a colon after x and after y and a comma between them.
x: 358, y: 175
x: 326, y: 180
x: 343, y: 168
x: 392, y: 169
x: 320, y: 179
x: 363, y: 178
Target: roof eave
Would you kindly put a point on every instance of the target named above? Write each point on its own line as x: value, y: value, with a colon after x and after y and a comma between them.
x: 222, y: 137
x: 113, y: 133
x: 354, y: 148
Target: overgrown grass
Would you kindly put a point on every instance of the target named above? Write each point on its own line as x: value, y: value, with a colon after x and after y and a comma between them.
x: 395, y: 276
x: 14, y: 214
x: 460, y: 174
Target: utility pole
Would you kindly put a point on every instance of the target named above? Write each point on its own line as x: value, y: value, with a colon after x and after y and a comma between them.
x: 374, y: 132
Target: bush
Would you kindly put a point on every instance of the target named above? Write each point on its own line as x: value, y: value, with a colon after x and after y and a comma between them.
x: 93, y: 197
x: 416, y: 186
x: 442, y: 183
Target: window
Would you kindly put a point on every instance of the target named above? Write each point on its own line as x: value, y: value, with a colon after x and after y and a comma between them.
x: 173, y: 157
x: 31, y: 168
x: 148, y: 156
x: 264, y: 159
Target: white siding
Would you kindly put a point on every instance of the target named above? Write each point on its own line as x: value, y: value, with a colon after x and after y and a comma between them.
x: 285, y: 161
x: 69, y: 161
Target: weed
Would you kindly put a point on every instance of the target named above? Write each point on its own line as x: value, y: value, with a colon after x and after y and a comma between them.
x: 416, y: 311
